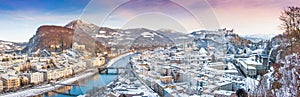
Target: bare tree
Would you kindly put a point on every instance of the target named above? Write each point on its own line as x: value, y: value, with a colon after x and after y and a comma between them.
x: 291, y: 24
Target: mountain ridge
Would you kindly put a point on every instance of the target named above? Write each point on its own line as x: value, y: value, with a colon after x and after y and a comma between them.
x: 57, y: 38
x: 105, y: 38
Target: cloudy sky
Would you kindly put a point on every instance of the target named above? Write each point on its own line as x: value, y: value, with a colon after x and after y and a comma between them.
x: 19, y: 19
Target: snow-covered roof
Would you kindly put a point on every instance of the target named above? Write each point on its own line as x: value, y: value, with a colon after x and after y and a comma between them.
x: 6, y: 76
x: 251, y: 83
x: 169, y: 90
x: 231, y: 66
x: 202, y: 51
x: 252, y: 62
x: 222, y: 83
x: 231, y: 71
x: 246, y: 66
x: 258, y: 51
x: 223, y: 92
x: 217, y: 63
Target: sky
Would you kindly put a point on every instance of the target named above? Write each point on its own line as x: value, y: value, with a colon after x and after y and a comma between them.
x: 19, y: 19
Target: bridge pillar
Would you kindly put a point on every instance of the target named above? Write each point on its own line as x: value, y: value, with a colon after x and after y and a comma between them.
x: 117, y: 70
x: 106, y: 70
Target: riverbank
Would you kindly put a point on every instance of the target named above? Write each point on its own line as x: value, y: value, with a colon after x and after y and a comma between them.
x: 48, y: 87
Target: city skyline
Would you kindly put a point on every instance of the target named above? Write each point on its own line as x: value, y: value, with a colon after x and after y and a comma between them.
x: 20, y: 19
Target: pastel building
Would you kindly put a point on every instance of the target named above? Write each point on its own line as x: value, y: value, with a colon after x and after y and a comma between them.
x: 11, y: 82
x: 36, y: 77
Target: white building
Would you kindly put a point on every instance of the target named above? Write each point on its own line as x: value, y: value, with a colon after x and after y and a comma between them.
x: 36, y: 78
x: 248, y: 69
x: 197, y: 57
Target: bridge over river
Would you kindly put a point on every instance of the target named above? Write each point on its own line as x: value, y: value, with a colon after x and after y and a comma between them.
x: 105, y: 76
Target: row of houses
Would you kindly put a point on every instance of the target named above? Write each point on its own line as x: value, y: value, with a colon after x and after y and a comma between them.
x: 13, y: 78
x: 14, y: 82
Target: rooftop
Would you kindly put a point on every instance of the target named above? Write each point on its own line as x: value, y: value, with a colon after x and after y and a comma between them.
x: 223, y: 92
x: 252, y: 62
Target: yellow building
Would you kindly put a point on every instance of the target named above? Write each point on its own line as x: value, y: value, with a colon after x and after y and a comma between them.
x: 78, y: 47
x: 68, y: 72
x: 49, y: 75
x: 98, y: 61
x: 58, y: 73
x: 11, y: 82
x: 166, y: 79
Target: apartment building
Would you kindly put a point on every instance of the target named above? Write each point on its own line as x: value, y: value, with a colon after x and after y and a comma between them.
x: 36, y: 77
x: 11, y: 82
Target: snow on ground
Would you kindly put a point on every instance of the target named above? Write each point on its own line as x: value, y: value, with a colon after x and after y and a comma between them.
x: 111, y: 43
x: 7, y: 43
x: 104, y: 36
x: 7, y: 47
x: 147, y: 34
x: 158, y: 35
x: 81, y: 96
x: 46, y: 88
x: 251, y: 83
x: 182, y: 37
x: 128, y: 38
x: 102, y: 32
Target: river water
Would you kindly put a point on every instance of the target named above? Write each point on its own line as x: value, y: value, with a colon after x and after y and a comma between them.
x: 97, y: 80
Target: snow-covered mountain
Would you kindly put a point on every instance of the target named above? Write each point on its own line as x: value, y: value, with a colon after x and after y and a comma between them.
x: 7, y: 46
x: 82, y: 26
x: 177, y: 37
x: 152, y: 38
x: 55, y: 38
x: 127, y: 37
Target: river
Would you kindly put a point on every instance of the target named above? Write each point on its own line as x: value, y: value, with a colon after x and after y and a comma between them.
x: 97, y: 80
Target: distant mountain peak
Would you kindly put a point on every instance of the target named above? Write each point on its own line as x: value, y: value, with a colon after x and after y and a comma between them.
x: 79, y: 21
x: 167, y: 30
x: 8, y: 46
x: 258, y: 37
x: 75, y: 23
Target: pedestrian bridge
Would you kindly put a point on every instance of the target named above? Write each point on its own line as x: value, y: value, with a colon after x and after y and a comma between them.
x: 110, y: 70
